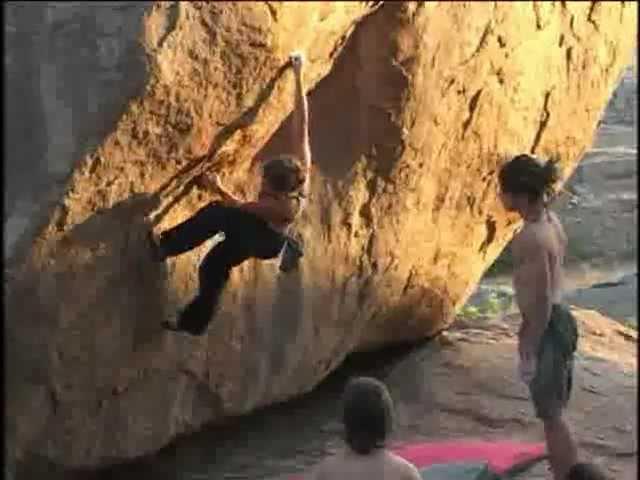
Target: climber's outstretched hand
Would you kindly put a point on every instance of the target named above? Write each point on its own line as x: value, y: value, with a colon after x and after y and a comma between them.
x: 297, y: 61
x: 300, y: 124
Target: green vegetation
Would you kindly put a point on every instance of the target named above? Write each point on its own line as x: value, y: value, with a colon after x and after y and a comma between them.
x: 502, y: 265
x: 490, y: 307
x: 629, y: 323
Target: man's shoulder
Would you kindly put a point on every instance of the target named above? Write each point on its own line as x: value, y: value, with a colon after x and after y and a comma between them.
x: 534, y: 236
x: 328, y: 467
x: 406, y: 470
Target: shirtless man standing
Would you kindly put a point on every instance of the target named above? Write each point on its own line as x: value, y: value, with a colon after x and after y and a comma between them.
x: 367, y: 417
x: 548, y: 334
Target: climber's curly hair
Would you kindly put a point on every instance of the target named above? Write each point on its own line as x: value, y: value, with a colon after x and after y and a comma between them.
x: 283, y: 173
x: 367, y: 415
x: 524, y: 174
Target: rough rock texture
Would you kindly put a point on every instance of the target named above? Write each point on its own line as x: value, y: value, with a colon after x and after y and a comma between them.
x: 70, y: 71
x: 463, y: 385
x: 419, y: 107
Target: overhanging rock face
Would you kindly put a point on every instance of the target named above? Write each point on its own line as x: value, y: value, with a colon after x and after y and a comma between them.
x: 413, y: 109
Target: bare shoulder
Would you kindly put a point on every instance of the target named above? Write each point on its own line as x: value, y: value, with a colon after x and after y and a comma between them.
x: 406, y: 470
x: 531, y: 236
x: 533, y: 242
x: 556, y: 224
x: 323, y: 470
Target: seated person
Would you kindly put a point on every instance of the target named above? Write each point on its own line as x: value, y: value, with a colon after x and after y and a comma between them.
x: 367, y: 418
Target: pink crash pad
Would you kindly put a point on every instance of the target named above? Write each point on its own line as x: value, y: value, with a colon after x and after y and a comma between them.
x: 501, y: 456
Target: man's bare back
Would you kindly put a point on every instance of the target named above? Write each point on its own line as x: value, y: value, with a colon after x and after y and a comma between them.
x: 381, y: 465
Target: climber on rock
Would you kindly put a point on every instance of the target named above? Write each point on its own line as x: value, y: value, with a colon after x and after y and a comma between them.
x: 252, y: 229
x: 548, y: 336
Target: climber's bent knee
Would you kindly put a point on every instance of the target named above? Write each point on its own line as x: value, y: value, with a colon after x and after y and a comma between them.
x: 197, y: 229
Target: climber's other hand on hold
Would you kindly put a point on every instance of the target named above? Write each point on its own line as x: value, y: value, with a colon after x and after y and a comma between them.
x: 227, y: 198
x: 297, y: 60
x: 216, y: 183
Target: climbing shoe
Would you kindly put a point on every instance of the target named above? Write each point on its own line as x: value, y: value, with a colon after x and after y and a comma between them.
x: 195, y: 331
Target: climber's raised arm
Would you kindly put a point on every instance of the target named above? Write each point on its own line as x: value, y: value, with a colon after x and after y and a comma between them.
x: 300, y: 121
x: 213, y: 184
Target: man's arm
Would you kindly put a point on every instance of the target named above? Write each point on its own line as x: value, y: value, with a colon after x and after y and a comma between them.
x: 412, y: 474
x: 536, y: 301
x: 300, y: 118
x: 267, y: 210
x: 318, y: 472
x: 229, y: 198
x: 213, y: 184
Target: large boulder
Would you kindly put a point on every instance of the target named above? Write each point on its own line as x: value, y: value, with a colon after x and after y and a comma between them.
x: 415, y: 107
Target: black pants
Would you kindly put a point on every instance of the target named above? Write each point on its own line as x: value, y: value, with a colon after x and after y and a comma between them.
x: 246, y: 236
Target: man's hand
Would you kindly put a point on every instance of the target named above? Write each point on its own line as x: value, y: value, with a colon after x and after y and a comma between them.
x: 527, y: 366
x: 297, y: 61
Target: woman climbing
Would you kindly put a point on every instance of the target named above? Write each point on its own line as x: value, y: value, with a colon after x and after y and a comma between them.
x: 255, y: 229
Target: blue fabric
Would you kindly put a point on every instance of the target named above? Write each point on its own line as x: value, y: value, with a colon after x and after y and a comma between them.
x: 459, y: 471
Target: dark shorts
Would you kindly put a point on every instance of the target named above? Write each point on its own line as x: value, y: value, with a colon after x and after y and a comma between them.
x: 551, y: 387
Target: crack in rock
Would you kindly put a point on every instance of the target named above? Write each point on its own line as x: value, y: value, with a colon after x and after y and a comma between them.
x: 473, y: 105
x: 273, y: 12
x: 544, y: 121
x: 568, y: 61
x: 490, y: 224
x: 482, y: 43
x: 590, y: 16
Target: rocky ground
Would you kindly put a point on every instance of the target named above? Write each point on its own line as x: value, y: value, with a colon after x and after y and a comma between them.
x: 600, y: 213
x: 460, y: 385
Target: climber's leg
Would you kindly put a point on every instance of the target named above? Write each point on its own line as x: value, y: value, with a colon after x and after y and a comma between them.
x: 266, y: 243
x: 194, y: 231
x: 213, y: 275
x: 247, y: 237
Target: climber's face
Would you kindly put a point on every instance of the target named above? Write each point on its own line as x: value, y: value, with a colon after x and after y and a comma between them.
x: 282, y: 175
